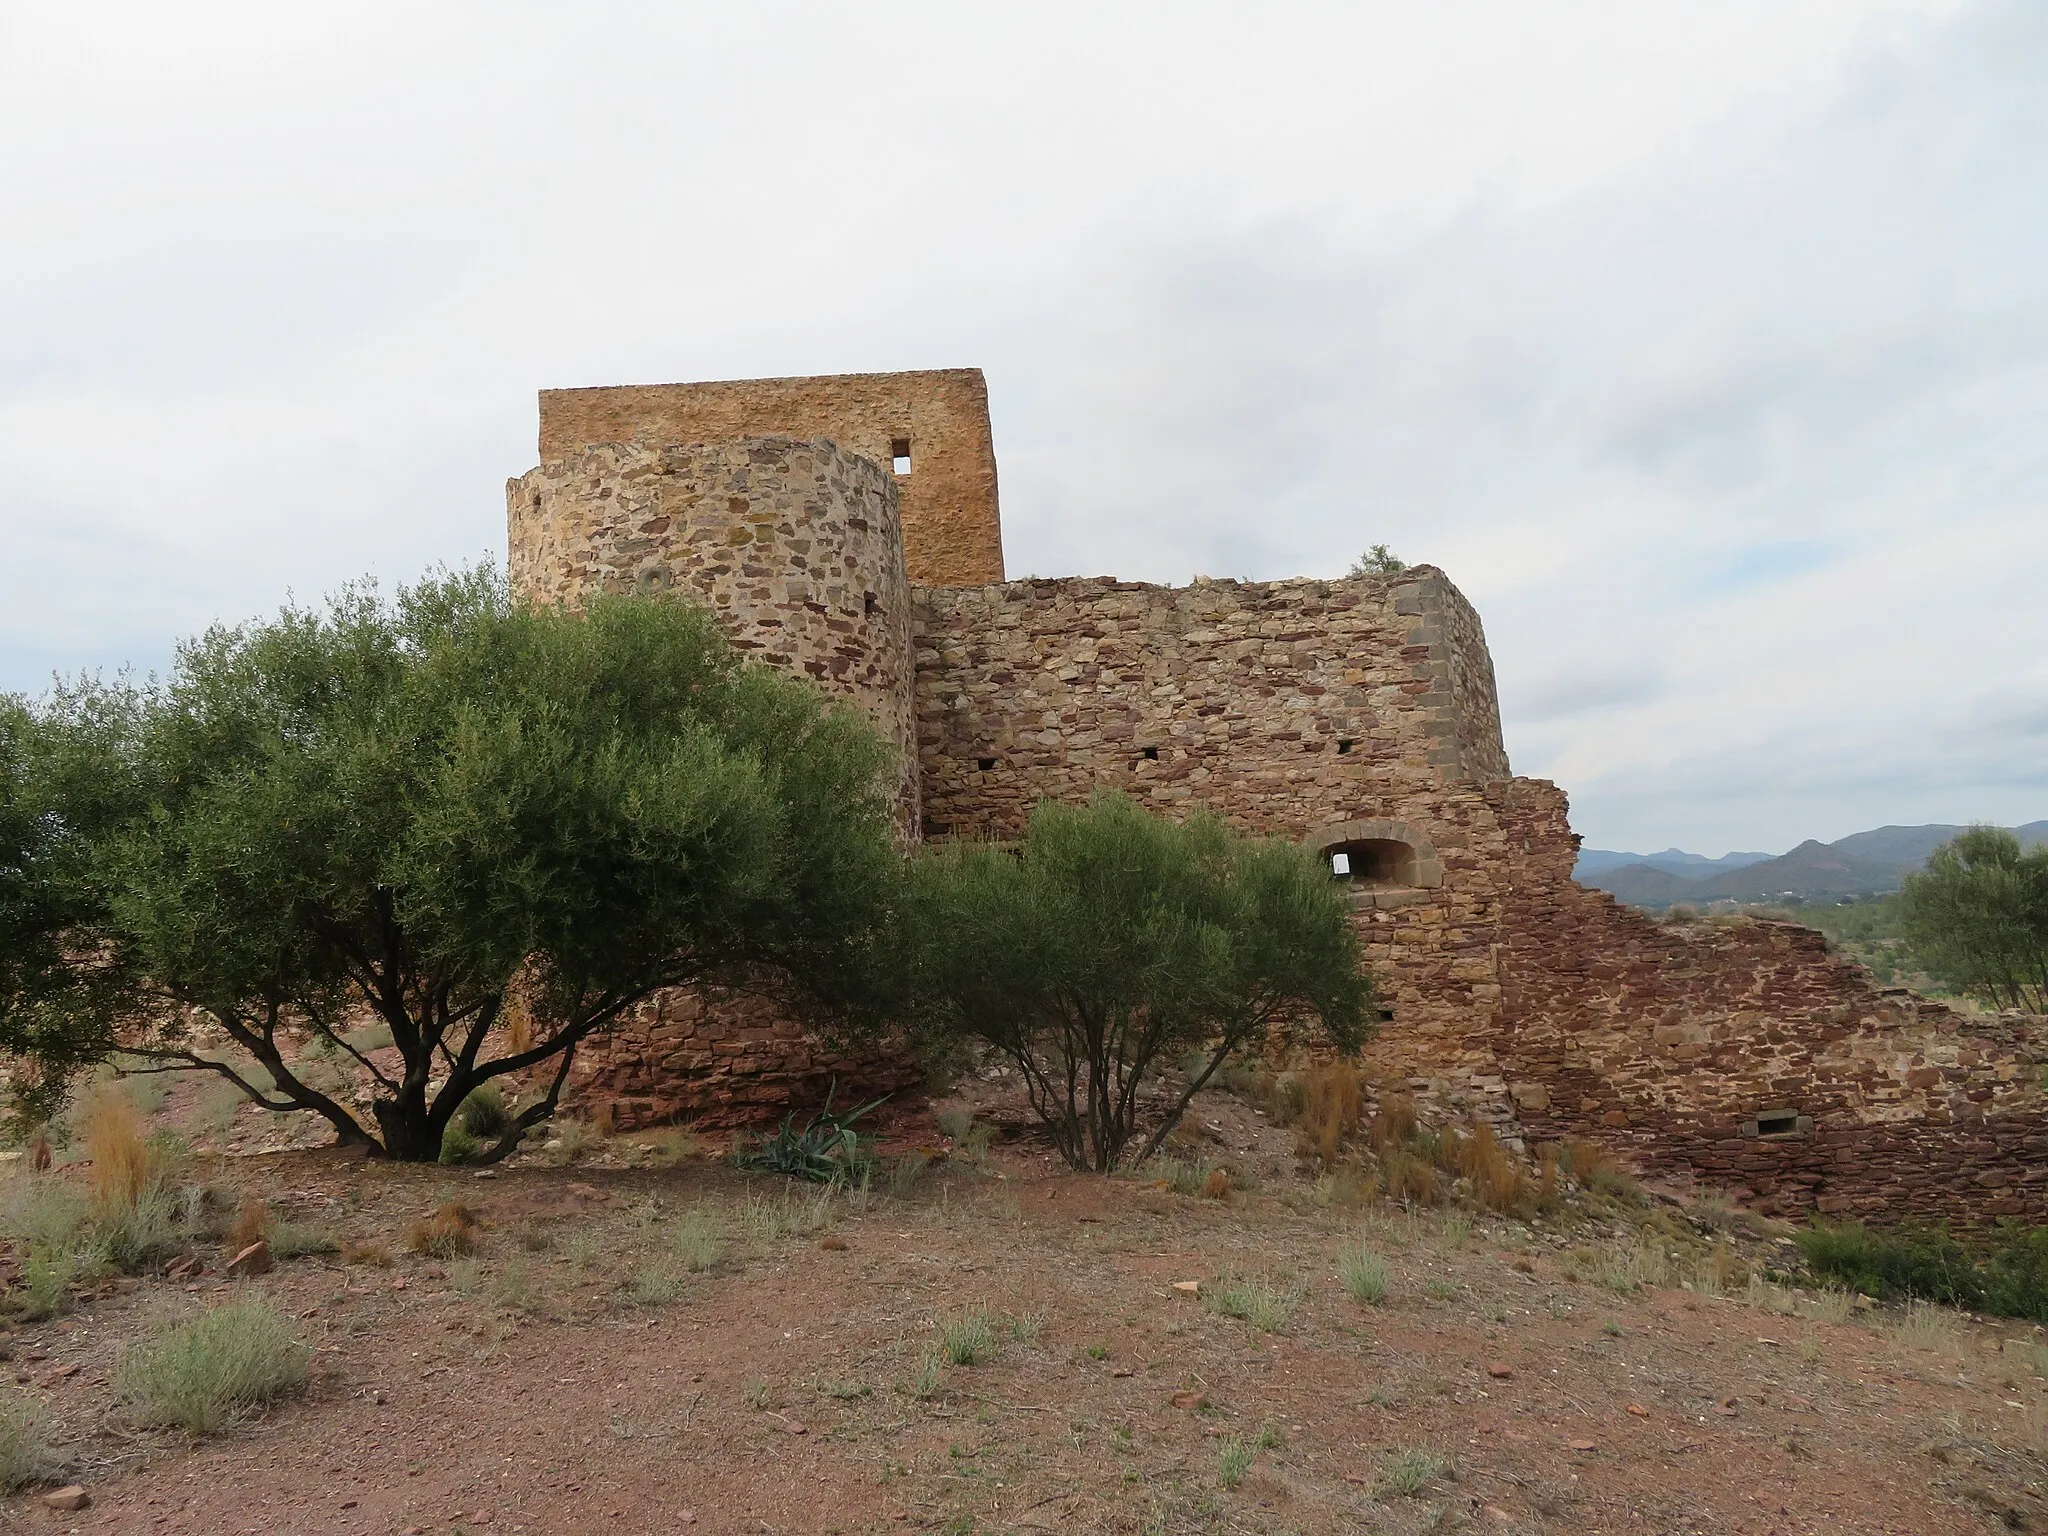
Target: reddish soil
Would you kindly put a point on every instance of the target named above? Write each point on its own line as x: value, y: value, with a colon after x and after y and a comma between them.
x: 526, y: 1389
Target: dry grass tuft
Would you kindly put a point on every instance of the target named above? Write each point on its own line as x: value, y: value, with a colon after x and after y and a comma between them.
x: 1217, y: 1185
x: 449, y: 1231
x: 1333, y: 1100
x: 203, y: 1374
x: 251, y: 1224
x: 1395, y: 1124
x: 124, y: 1165
x: 370, y: 1252
x: 1410, y: 1178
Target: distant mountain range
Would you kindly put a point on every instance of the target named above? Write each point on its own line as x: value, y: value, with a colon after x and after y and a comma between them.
x: 1863, y: 863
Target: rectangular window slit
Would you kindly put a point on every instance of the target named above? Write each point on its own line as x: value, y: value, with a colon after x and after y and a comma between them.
x: 899, y: 452
x: 1343, y: 747
x: 985, y: 763
x: 1151, y: 754
x: 1386, y: 1015
x: 1782, y: 1123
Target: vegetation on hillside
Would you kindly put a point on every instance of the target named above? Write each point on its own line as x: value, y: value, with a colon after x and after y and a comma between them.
x: 1978, y: 916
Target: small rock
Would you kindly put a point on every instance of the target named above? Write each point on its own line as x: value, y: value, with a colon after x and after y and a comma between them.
x: 252, y: 1260
x: 1123, y: 1370
x: 1639, y: 1410
x: 1190, y: 1400
x: 435, y: 1272
x: 833, y: 1245
x: 485, y: 1173
x: 1495, y: 1512
x: 70, y: 1496
x: 1726, y: 1407
x: 1188, y: 1287
x: 1499, y: 1370
x: 51, y: 1378
x: 1582, y: 1445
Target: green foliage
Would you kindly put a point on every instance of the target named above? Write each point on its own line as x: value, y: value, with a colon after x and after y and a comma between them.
x: 1234, y: 1460
x: 1978, y: 917
x: 1256, y: 1300
x: 484, y: 1115
x: 970, y: 1338
x: 405, y: 807
x: 1110, y: 943
x: 1362, y: 1273
x: 827, y: 1150
x: 201, y: 1375
x: 458, y: 1146
x: 2004, y: 1271
x: 1377, y: 561
x: 1407, y: 1471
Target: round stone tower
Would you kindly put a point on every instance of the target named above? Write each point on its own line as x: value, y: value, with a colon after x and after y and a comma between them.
x: 796, y: 546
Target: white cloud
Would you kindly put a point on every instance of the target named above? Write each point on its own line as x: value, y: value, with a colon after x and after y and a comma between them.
x: 1706, y: 347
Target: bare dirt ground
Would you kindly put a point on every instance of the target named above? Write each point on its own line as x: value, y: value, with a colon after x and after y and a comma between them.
x: 576, y: 1373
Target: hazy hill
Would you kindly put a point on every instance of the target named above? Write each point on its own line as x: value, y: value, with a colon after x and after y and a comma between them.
x: 1860, y: 864
x: 1676, y: 861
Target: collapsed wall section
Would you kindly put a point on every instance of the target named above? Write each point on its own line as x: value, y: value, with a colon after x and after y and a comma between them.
x: 932, y: 425
x: 1743, y: 1053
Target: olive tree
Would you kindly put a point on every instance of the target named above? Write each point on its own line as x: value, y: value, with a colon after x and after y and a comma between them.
x: 423, y: 810
x: 1977, y: 917
x: 1109, y: 943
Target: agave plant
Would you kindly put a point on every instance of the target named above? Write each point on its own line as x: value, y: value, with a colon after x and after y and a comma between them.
x: 827, y: 1150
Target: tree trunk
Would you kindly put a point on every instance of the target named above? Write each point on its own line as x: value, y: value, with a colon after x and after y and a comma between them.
x: 410, y: 1134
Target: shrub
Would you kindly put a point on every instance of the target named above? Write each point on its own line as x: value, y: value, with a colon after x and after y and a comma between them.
x: 124, y: 1164
x: 1234, y: 1460
x: 826, y: 1151
x: 449, y: 1231
x: 1255, y: 1300
x: 1362, y: 1273
x: 1394, y: 1124
x: 2004, y: 1271
x: 458, y: 1146
x: 1333, y: 1098
x: 1110, y: 942
x: 200, y: 1375
x: 969, y: 1339
x: 25, y: 1454
x: 1407, y: 1471
x: 695, y: 1241
x: 1410, y: 1179
x: 484, y: 1115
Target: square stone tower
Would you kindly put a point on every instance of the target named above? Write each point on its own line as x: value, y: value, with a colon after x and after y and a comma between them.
x: 930, y: 428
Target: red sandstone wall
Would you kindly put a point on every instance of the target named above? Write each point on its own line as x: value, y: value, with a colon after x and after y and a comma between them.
x: 1667, y: 1040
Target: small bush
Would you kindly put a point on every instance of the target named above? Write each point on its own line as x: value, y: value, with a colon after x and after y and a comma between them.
x: 1592, y: 1167
x: 1411, y: 1180
x: 458, y: 1146
x: 789, y: 1215
x: 2004, y: 1271
x: 1406, y: 1472
x: 970, y: 1139
x: 370, y: 1252
x: 484, y: 1114
x: 1234, y: 1460
x: 449, y: 1231
x: 695, y: 1242
x: 1257, y: 1301
x: 1333, y: 1099
x: 1363, y: 1274
x: 656, y: 1284
x: 25, y: 1454
x: 200, y: 1375
x: 969, y: 1339
x: 1394, y: 1125
x: 826, y: 1151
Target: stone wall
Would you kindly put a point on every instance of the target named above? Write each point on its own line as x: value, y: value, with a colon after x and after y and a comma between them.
x: 952, y: 530
x: 1681, y: 1043
x: 795, y: 546
x: 1280, y: 705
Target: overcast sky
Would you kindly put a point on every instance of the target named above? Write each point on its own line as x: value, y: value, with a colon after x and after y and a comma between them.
x: 1704, y: 345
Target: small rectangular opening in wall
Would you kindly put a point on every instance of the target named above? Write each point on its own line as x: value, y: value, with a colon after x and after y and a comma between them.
x: 899, y: 453
x: 1340, y: 863
x: 1151, y: 754
x: 1779, y: 1122
x: 871, y: 603
x: 1343, y: 746
x: 985, y: 764
x: 1386, y: 1015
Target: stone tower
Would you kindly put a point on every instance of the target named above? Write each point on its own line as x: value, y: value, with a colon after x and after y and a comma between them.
x: 796, y: 546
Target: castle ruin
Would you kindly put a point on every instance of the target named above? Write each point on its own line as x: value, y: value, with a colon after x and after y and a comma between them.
x: 848, y: 529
